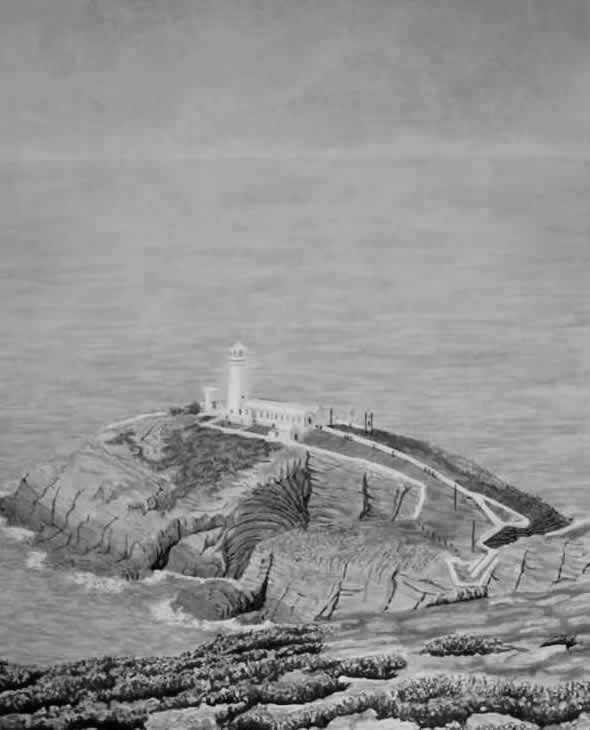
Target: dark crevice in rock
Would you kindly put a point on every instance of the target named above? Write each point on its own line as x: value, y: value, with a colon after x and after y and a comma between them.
x: 393, y: 589
x: 561, y: 563
x: 398, y: 501
x: 331, y: 605
x: 43, y: 537
x: 521, y: 571
x: 367, y: 499
x: 53, y: 503
x: 420, y: 601
x: 272, y: 508
x: 71, y: 509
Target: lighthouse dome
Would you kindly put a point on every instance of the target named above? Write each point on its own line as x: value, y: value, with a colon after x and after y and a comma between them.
x: 237, y: 351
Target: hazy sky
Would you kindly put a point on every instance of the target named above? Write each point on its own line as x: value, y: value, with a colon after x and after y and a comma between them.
x: 168, y: 78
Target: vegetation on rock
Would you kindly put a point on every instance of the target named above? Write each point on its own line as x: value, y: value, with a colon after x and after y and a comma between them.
x: 543, y: 517
x: 463, y: 645
x: 282, y: 678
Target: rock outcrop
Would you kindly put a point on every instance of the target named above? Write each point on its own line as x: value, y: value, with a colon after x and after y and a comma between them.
x: 277, y: 679
x: 124, y: 500
x: 535, y: 564
x: 321, y: 530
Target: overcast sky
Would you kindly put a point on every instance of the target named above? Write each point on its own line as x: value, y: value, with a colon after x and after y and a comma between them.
x: 171, y: 78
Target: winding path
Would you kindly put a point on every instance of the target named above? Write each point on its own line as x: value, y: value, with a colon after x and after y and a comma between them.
x: 479, y: 569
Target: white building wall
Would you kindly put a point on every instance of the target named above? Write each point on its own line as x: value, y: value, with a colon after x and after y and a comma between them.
x: 210, y: 398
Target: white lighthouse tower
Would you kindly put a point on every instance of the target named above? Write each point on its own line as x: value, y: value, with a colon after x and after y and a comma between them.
x: 237, y: 387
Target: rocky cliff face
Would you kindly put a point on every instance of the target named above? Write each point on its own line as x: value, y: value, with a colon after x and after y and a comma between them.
x: 126, y: 498
x: 316, y: 531
x: 535, y: 564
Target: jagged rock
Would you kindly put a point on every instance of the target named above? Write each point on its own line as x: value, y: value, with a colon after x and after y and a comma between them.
x: 535, y: 564
x: 127, y: 497
x: 215, y: 600
x: 198, y: 555
x: 336, y: 571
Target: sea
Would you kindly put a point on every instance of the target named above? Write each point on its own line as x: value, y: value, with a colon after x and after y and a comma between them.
x: 447, y: 293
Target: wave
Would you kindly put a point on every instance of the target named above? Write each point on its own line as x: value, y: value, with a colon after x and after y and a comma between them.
x: 110, y: 584
x: 36, y: 559
x: 195, y: 579
x: 102, y: 584
x: 164, y: 612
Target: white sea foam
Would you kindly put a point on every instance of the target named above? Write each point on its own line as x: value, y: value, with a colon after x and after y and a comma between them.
x: 36, y: 560
x: 164, y: 612
x: 20, y: 534
x: 101, y: 584
x: 109, y: 584
x: 158, y: 576
x: 195, y: 579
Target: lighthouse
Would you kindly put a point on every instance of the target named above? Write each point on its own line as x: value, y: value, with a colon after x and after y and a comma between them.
x: 237, y: 387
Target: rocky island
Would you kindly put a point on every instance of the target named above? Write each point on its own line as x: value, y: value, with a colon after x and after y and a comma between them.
x: 323, y: 528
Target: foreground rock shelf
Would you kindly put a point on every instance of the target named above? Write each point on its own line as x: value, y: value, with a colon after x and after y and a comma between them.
x: 277, y: 679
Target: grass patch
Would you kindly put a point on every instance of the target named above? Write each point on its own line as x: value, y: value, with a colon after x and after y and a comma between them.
x: 543, y: 517
x: 199, y: 457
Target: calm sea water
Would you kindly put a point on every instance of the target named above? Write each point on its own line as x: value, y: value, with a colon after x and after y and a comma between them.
x: 450, y: 296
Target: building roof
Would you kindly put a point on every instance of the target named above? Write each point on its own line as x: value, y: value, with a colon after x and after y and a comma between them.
x: 280, y: 405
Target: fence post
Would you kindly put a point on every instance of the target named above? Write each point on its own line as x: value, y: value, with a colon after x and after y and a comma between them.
x: 473, y: 536
x: 455, y: 497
